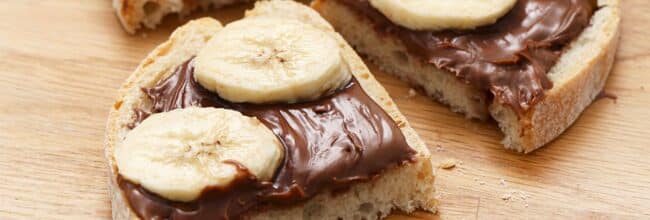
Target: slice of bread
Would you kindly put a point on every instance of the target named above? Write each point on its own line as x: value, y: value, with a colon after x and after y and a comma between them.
x: 406, y: 188
x: 133, y: 14
x: 578, y: 77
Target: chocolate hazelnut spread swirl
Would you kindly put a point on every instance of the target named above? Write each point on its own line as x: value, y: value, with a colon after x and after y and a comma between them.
x: 330, y: 143
x: 510, y: 58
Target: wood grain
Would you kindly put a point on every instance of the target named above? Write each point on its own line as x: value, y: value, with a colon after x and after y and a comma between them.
x: 61, y: 63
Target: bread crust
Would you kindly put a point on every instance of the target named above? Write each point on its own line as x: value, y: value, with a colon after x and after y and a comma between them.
x: 187, y: 40
x: 578, y: 77
x: 133, y: 14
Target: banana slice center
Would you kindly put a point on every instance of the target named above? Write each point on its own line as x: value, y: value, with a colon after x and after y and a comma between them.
x: 178, y: 154
x: 443, y: 14
x: 271, y: 60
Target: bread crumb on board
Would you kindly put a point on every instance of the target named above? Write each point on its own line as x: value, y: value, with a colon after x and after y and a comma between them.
x: 506, y: 197
x: 448, y: 163
x: 516, y: 195
x: 412, y: 93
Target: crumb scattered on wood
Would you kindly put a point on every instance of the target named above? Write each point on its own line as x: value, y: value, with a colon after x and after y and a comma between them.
x: 522, y: 195
x: 412, y: 93
x: 502, y: 182
x: 515, y: 195
x: 439, y: 148
x: 448, y: 163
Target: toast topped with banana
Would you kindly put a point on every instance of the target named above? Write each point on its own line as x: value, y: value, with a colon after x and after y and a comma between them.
x: 532, y: 65
x: 270, y: 117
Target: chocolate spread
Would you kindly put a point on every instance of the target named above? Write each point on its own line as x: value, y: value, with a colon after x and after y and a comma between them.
x: 330, y: 144
x: 509, y: 58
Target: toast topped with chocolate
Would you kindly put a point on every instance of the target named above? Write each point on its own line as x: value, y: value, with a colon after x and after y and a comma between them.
x: 270, y: 117
x: 532, y: 65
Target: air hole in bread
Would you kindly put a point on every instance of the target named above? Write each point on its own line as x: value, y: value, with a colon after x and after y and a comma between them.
x: 150, y: 8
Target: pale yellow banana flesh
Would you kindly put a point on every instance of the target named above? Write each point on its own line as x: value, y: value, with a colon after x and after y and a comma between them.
x: 271, y: 60
x: 443, y: 14
x: 178, y: 154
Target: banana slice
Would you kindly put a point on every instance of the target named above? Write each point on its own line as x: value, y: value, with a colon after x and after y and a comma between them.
x: 443, y: 14
x: 179, y: 153
x: 271, y: 60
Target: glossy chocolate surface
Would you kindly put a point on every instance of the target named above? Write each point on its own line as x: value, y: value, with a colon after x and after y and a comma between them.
x: 510, y: 58
x: 330, y: 143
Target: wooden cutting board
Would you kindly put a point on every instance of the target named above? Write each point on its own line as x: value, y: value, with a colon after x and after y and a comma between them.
x: 61, y: 63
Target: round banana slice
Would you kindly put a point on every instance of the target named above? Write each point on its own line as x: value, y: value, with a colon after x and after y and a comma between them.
x: 178, y: 154
x: 270, y: 60
x: 443, y: 14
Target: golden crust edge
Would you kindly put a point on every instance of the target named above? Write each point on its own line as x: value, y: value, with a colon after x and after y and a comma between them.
x: 133, y: 17
x: 533, y: 138
x: 564, y: 103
